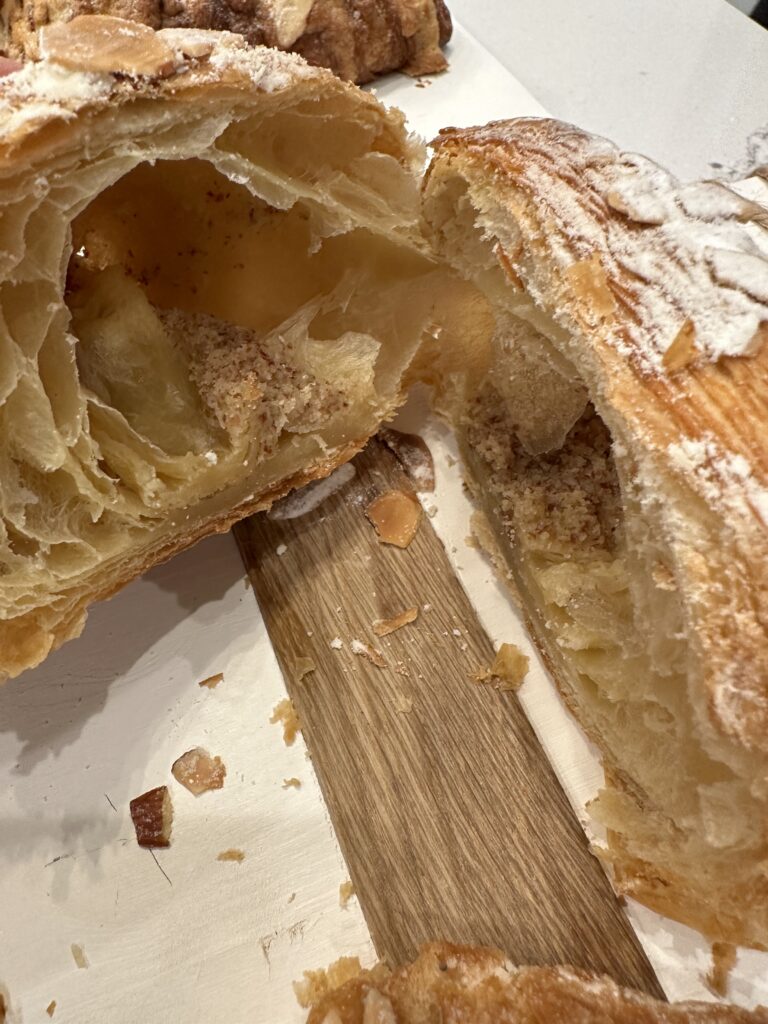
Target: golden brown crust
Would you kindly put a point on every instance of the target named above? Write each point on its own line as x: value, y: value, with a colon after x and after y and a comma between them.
x: 356, y: 39
x: 477, y: 985
x: 650, y: 299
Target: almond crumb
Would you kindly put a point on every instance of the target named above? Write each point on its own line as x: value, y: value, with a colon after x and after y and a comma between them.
x: 371, y: 654
x: 233, y: 854
x: 723, y: 961
x: 51, y: 1008
x: 395, y: 516
x: 414, y: 456
x: 78, y: 955
x: 346, y: 892
x: 198, y: 772
x: 212, y: 681
x: 509, y: 669
x: 383, y: 627
x: 292, y: 783
x: 285, y: 713
x: 152, y: 815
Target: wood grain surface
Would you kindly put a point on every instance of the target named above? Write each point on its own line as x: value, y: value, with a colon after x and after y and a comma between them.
x: 448, y: 813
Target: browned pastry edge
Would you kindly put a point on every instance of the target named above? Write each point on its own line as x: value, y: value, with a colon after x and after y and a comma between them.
x: 479, y: 985
x: 356, y: 39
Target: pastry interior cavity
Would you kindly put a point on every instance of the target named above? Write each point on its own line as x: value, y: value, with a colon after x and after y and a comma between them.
x: 184, y: 334
x: 585, y: 550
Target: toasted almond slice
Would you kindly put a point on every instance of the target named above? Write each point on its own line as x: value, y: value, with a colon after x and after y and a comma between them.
x: 78, y: 955
x: 101, y: 43
x: 414, y: 456
x: 395, y: 516
x: 51, y: 1008
x: 152, y: 815
x: 198, y: 772
x: 212, y: 681
x: 383, y: 627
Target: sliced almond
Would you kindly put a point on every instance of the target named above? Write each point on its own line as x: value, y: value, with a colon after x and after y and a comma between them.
x: 78, y: 955
x: 212, y: 681
x: 683, y: 350
x: 589, y: 281
x: 284, y: 713
x: 152, y: 815
x: 198, y: 772
x: 414, y: 456
x: 101, y: 43
x: 383, y: 627
x: 395, y: 516
x: 51, y: 1008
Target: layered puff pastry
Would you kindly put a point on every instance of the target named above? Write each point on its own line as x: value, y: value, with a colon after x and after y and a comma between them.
x: 212, y: 286
x: 617, y: 450
x: 356, y: 39
x: 477, y: 985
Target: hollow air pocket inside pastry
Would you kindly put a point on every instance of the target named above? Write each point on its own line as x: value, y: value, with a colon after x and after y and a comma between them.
x: 212, y: 285
x: 617, y: 449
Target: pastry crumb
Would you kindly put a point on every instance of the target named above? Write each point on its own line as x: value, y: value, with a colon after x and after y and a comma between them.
x: 292, y: 783
x: 50, y: 1008
x: 723, y: 961
x: 281, y: 549
x: 383, y: 627
x: 346, y: 892
x: 198, y: 772
x: 395, y: 516
x: 303, y: 667
x: 336, y: 644
x: 292, y: 897
x: 285, y: 714
x: 508, y: 671
x: 78, y: 955
x: 152, y: 816
x: 403, y: 704
x: 371, y: 654
x: 315, y: 985
x: 212, y: 681
x: 232, y: 854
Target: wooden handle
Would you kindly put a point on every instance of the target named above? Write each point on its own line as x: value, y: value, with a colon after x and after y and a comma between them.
x: 449, y: 815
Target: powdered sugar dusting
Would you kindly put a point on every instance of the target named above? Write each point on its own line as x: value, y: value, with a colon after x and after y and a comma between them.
x: 674, y: 252
x: 722, y: 477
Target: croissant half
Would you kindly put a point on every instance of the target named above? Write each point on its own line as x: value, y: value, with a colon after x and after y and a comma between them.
x: 617, y: 449
x: 356, y: 39
x: 212, y: 284
x: 476, y: 985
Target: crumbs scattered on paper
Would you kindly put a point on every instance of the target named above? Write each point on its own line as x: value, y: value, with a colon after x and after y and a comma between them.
x: 233, y: 854
x: 383, y: 627
x: 292, y: 783
x: 346, y: 892
x: 212, y: 681
x: 372, y: 654
x: 78, y: 955
x: 50, y: 1008
x: 198, y: 772
x: 317, y: 984
x: 285, y: 714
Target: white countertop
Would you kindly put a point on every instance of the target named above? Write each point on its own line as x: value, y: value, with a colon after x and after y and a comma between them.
x: 682, y: 81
